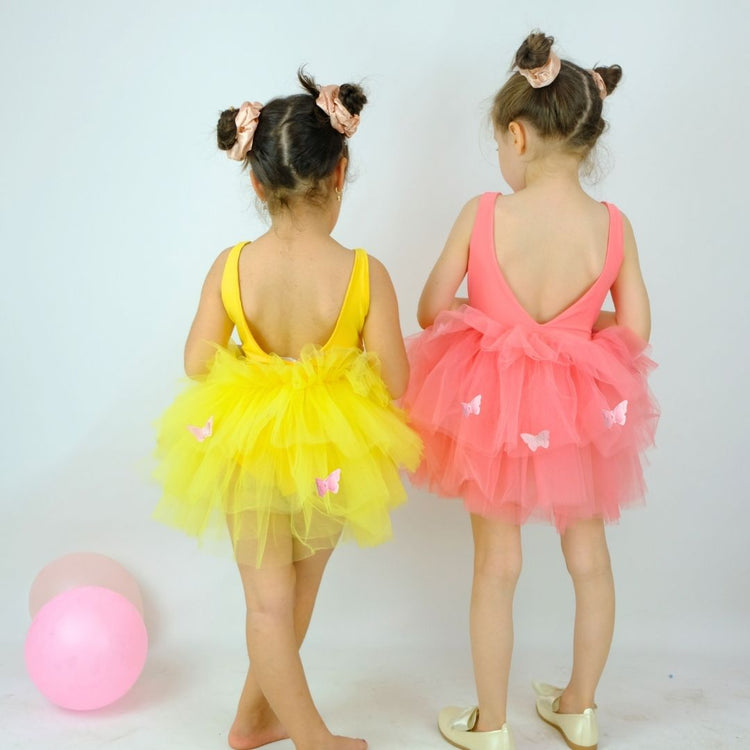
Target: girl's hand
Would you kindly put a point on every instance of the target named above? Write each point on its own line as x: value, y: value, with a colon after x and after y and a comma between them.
x: 459, y: 302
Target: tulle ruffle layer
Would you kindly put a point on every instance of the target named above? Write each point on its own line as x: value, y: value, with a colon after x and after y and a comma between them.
x: 286, y: 455
x: 529, y: 421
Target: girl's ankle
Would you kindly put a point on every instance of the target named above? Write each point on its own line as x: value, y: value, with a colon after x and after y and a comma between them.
x: 487, y: 722
x: 570, y: 703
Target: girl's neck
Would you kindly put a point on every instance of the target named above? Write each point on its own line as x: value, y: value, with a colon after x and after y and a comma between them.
x: 553, y: 172
x: 303, y: 223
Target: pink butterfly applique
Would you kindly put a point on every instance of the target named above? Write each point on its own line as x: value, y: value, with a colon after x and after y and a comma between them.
x: 615, y: 416
x: 329, y: 484
x: 540, y: 440
x: 473, y: 407
x: 201, y: 433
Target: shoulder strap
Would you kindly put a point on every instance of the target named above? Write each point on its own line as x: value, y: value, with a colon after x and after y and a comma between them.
x: 357, y: 301
x: 482, y: 242
x: 485, y: 218
x: 230, y: 292
x: 363, y: 278
x: 484, y: 223
x: 615, y: 244
x: 351, y: 320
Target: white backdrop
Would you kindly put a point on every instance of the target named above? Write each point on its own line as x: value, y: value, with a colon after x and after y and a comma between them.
x: 115, y: 201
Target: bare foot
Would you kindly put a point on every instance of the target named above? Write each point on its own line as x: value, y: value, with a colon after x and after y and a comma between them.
x: 249, y: 732
x: 335, y: 742
x: 346, y: 743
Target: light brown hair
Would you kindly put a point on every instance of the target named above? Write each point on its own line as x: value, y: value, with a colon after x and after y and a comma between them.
x: 568, y: 110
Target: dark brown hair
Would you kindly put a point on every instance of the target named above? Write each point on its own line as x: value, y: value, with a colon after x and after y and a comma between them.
x: 569, y: 109
x: 295, y: 148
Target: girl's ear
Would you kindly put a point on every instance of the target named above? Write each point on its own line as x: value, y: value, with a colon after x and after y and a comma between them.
x: 257, y: 187
x: 339, y: 174
x: 518, y: 134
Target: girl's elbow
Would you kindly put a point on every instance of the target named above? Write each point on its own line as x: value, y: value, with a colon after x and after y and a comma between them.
x: 426, y: 312
x: 193, y: 371
x: 425, y: 317
x: 397, y: 389
x: 194, y: 366
x: 641, y: 327
x: 398, y: 381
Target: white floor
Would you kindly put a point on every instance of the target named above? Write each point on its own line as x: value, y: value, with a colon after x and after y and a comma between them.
x: 388, y: 645
x: 185, y: 698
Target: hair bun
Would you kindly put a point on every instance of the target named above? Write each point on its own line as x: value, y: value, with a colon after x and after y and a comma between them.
x: 353, y: 97
x: 534, y: 51
x: 226, y: 129
x: 611, y: 76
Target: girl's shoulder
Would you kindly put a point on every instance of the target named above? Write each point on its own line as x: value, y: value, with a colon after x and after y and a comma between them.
x: 470, y: 208
x: 380, y: 279
x: 215, y: 273
x: 221, y: 260
x: 467, y: 216
x: 382, y: 293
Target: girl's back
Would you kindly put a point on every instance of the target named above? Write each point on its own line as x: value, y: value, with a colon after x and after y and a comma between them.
x: 550, y: 249
x: 292, y: 293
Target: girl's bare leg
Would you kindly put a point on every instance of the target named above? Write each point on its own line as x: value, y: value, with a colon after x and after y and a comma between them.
x: 255, y: 723
x: 586, y: 555
x: 497, y: 565
x: 280, y: 597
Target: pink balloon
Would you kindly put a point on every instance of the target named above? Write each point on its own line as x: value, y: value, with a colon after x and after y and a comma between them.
x: 82, y: 569
x: 86, y: 647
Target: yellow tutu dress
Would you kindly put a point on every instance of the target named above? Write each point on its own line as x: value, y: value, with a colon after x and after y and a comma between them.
x: 286, y: 454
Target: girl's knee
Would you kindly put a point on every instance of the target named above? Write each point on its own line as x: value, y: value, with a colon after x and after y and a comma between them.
x: 587, y: 561
x: 270, y: 614
x: 499, y: 566
x: 584, y: 546
x: 497, y: 551
x: 269, y: 593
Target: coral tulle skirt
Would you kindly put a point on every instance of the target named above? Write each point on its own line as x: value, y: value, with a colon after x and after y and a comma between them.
x: 526, y: 422
x: 288, y: 456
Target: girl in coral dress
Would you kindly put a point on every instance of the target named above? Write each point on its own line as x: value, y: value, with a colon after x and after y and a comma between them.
x: 531, y: 403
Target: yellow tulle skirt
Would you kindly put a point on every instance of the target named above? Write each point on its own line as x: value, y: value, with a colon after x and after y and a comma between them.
x: 287, y: 456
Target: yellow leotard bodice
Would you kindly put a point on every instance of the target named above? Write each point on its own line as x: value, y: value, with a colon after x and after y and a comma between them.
x: 347, y: 331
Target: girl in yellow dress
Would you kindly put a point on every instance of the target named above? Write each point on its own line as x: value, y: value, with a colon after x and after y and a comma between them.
x: 291, y: 440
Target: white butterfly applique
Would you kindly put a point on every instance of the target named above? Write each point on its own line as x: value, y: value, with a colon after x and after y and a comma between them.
x: 329, y: 484
x: 472, y: 407
x: 541, y: 440
x: 201, y: 433
x: 618, y: 415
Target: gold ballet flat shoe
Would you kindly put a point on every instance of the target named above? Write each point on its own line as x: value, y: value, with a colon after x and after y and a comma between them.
x: 456, y: 725
x: 580, y: 731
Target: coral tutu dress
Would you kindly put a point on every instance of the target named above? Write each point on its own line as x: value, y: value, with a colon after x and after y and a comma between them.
x: 524, y: 419
x: 286, y: 454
